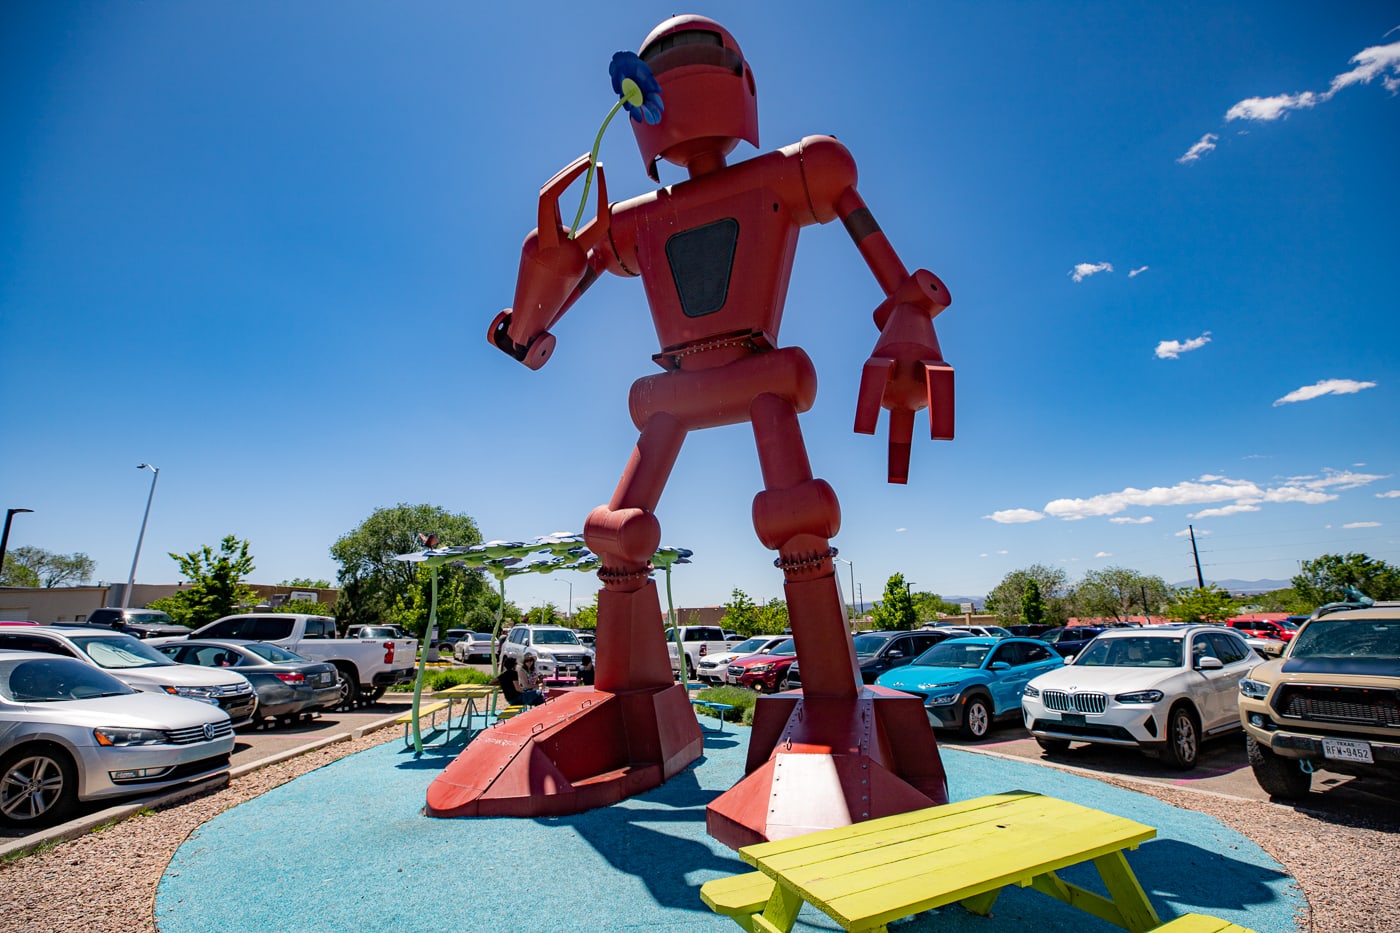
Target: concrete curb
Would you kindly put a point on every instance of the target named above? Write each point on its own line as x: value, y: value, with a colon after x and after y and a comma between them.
x: 127, y: 809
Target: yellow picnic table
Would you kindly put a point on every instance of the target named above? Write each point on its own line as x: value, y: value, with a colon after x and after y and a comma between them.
x: 868, y: 874
x: 469, y: 694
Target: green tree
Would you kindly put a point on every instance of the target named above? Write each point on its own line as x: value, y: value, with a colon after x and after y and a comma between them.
x: 372, y: 582
x: 773, y: 617
x: 1032, y: 606
x: 1284, y: 600
x: 1114, y: 592
x: 34, y: 566
x: 930, y: 607
x: 586, y: 617
x: 307, y: 582
x: 1005, y: 599
x: 1201, y: 604
x: 1325, y: 579
x: 216, y: 586
x: 896, y: 609
x: 741, y: 614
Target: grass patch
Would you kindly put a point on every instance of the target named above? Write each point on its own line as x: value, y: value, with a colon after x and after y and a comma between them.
x: 443, y: 678
x: 741, y: 698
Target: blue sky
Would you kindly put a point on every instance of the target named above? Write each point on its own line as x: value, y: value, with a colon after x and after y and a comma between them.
x: 259, y: 245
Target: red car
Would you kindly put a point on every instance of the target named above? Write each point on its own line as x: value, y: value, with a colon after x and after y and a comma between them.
x: 1264, y: 628
x: 764, y: 672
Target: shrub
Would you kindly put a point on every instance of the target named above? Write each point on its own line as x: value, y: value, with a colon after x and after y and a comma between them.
x: 443, y: 678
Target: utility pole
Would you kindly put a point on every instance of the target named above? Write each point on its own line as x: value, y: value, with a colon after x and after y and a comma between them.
x: 1200, y: 581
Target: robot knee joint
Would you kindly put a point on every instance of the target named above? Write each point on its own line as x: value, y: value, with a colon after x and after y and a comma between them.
x: 630, y: 535
x: 809, y: 508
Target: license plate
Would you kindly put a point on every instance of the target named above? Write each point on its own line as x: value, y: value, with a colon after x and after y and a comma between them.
x: 1347, y: 750
x: 1072, y: 719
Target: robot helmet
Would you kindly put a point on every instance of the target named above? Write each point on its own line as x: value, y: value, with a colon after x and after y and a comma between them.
x: 708, y: 90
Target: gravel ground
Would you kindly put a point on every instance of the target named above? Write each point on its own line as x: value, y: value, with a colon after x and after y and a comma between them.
x: 1346, y: 872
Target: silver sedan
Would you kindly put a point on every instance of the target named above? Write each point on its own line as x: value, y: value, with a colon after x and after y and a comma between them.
x: 71, y: 732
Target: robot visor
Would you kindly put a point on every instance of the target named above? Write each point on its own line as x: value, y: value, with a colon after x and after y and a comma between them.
x: 693, y: 47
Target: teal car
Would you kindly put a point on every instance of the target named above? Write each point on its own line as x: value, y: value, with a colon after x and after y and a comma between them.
x: 968, y: 683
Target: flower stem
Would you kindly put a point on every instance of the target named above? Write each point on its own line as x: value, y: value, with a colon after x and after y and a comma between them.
x: 592, y: 164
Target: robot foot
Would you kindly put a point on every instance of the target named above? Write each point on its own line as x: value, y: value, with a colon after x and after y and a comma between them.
x: 583, y: 749
x: 817, y: 763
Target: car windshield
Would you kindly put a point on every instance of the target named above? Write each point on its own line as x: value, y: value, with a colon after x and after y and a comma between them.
x: 954, y: 654
x: 871, y: 642
x: 120, y: 653
x: 750, y: 646
x: 1348, y: 638
x: 561, y: 636
x: 1140, y: 651
x: 273, y: 653
x: 51, y: 680
x: 149, y: 618
x: 788, y: 647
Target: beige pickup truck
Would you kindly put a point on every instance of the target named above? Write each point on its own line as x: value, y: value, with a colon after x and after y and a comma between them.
x: 1331, y: 702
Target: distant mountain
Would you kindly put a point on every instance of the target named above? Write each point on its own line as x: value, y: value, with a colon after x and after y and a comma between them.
x: 1249, y: 587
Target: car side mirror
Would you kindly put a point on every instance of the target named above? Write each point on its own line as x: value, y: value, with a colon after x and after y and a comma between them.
x: 1209, y: 664
x: 895, y: 653
x: 1000, y: 666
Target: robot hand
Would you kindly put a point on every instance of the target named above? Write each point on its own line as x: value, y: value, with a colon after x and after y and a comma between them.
x: 906, y: 371
x: 553, y: 262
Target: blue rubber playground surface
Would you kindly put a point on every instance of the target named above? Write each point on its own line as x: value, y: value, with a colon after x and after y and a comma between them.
x: 347, y: 848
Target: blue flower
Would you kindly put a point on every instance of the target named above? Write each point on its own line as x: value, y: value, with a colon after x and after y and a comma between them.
x: 634, y: 83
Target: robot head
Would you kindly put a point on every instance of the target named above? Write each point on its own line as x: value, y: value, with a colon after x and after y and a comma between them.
x: 708, y: 90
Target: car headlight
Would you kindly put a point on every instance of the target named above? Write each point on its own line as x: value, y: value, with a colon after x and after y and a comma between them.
x: 1253, y: 689
x: 1030, y: 691
x: 205, y: 694
x: 124, y: 737
x: 760, y: 668
x: 1140, y: 696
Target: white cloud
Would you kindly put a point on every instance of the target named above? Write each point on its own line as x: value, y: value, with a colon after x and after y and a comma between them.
x: 1344, y: 479
x: 1003, y: 552
x: 1362, y: 525
x: 1125, y: 520
x: 1225, y: 510
x: 1203, y: 145
x: 1015, y: 516
x: 1083, y: 270
x: 1325, y: 387
x: 1271, y: 108
x: 1102, y: 554
x: 1186, y: 533
x: 900, y: 530
x: 1172, y: 349
x: 1371, y: 63
x: 1137, y: 272
x: 1188, y: 493
x: 1389, y: 494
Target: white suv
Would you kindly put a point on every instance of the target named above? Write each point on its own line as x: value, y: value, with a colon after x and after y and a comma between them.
x: 557, y: 650
x: 1162, y: 688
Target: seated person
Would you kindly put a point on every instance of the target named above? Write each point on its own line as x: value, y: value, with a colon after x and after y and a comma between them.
x: 585, y: 671
x: 531, y: 683
x: 509, y: 681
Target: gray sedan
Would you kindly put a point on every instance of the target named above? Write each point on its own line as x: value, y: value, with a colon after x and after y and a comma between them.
x: 288, y: 686
x: 71, y: 732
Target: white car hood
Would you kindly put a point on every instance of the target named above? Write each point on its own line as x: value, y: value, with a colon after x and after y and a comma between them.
x: 176, y: 675
x: 128, y: 711
x: 1110, y: 680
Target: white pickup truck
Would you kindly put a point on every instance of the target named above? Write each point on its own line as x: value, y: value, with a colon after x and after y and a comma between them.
x: 699, y: 641
x: 367, y: 667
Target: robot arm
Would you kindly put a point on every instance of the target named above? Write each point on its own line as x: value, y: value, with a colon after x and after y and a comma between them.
x: 555, y: 270
x: 906, y: 371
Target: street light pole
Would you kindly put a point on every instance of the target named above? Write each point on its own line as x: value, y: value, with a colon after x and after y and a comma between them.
x: 569, y: 610
x: 5, y: 538
x: 131, y: 580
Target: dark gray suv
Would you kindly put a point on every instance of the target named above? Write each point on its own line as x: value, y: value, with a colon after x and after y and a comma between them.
x: 878, y: 652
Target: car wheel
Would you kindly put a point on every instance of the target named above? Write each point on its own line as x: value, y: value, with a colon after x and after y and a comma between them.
x: 689, y: 668
x: 1053, y: 746
x: 977, y: 718
x: 348, y: 688
x: 38, y: 786
x: 1183, y: 745
x: 1278, y: 776
x: 370, y: 694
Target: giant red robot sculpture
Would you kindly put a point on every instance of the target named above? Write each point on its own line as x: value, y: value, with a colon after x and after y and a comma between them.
x: 715, y: 256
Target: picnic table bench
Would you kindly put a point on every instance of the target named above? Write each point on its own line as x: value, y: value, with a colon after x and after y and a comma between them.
x: 716, y: 709
x: 869, y: 874
x: 467, y: 694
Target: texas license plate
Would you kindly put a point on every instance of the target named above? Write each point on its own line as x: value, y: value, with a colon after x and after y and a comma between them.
x: 1072, y: 719
x: 1347, y: 750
